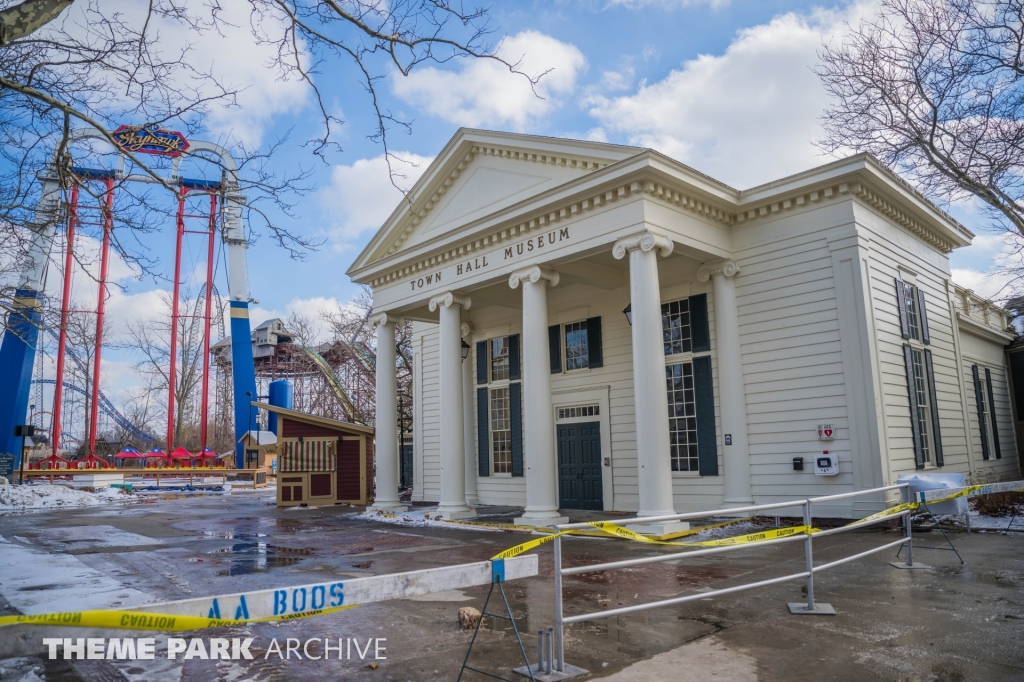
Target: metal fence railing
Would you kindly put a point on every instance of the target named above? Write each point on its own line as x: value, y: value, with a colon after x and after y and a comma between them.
x: 807, y: 537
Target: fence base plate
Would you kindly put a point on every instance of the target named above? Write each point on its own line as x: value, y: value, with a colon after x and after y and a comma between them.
x: 553, y: 676
x: 903, y: 565
x: 800, y: 609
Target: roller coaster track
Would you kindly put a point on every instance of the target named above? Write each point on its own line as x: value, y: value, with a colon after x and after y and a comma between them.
x: 332, y: 379
x: 108, y: 409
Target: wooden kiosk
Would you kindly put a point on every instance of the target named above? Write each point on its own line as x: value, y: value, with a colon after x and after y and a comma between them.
x: 321, y: 461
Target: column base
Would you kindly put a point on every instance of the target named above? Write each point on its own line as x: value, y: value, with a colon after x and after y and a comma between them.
x: 453, y: 513
x: 748, y: 502
x: 540, y: 519
x: 662, y: 528
x: 389, y: 507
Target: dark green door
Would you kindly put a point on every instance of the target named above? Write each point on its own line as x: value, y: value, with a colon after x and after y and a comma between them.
x: 579, y: 466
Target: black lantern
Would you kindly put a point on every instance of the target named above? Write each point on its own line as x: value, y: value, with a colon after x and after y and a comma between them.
x: 628, y: 312
x: 465, y: 349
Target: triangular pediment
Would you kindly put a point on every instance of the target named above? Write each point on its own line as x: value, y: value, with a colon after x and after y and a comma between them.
x: 478, y: 174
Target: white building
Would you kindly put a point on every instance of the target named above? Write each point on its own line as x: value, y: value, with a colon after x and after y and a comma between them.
x: 753, y: 317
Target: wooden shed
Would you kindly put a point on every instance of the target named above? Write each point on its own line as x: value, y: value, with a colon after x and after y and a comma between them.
x: 321, y: 461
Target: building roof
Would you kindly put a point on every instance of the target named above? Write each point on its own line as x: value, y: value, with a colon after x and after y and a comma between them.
x: 486, y: 185
x: 314, y: 419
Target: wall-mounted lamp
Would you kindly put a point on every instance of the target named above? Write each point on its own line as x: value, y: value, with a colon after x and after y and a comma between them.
x: 465, y: 349
x: 628, y: 312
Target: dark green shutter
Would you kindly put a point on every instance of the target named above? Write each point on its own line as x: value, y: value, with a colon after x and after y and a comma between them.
x: 481, y: 362
x: 707, y: 435
x: 923, y: 316
x: 555, y: 347
x: 595, y: 356
x: 915, y: 416
x: 516, y: 423
x: 483, y: 433
x: 992, y: 414
x: 513, y: 357
x: 980, y: 398
x: 933, y: 401
x: 901, y: 303
x: 700, y: 333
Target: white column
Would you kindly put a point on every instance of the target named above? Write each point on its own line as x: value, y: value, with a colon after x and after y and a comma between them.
x: 386, y: 420
x: 538, y: 422
x: 650, y: 400
x: 732, y: 398
x: 453, y: 458
x: 469, y: 419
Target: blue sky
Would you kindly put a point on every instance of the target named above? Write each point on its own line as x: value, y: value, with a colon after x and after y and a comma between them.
x: 725, y: 86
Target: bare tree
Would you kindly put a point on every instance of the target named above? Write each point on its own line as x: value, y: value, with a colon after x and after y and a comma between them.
x: 377, y: 37
x: 352, y: 327
x: 935, y: 89
x: 303, y: 329
x: 150, y: 340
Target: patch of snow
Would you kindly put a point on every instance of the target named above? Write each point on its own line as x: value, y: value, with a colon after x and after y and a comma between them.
x: 41, y: 496
x: 420, y: 519
x: 981, y: 522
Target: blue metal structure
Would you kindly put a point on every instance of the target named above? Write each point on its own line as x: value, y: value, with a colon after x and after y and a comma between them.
x: 17, y: 356
x: 243, y: 376
x: 108, y: 409
x: 279, y: 394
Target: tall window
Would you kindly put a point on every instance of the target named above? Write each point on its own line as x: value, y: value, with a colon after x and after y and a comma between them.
x: 499, y: 359
x: 923, y: 404
x: 501, y: 431
x: 499, y: 408
x: 913, y: 317
x: 682, y: 417
x: 577, y: 350
x: 675, y: 327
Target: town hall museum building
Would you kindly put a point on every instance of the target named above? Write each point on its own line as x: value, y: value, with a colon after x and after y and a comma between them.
x: 601, y: 327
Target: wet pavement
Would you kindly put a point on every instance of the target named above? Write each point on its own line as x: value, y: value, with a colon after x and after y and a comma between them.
x: 954, y: 622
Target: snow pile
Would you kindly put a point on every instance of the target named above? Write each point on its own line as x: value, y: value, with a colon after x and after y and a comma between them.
x: 418, y: 519
x: 46, y: 496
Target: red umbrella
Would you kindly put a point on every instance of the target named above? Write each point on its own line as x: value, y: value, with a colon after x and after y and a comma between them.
x: 130, y: 453
x: 179, y: 453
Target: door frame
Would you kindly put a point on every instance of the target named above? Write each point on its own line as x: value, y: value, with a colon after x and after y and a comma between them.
x: 591, y: 395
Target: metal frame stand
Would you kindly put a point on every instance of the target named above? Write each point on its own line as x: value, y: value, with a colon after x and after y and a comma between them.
x: 497, y: 577
x: 910, y: 545
x: 810, y: 608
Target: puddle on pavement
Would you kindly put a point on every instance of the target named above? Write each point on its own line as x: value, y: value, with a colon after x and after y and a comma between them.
x: 259, y: 557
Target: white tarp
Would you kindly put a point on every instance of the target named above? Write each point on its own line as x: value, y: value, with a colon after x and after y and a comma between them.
x: 923, y: 482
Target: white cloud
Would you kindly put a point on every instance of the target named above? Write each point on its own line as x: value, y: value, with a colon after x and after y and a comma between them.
x: 988, y: 266
x: 667, y: 4
x: 310, y: 308
x: 746, y: 116
x: 361, y: 195
x: 236, y: 58
x: 484, y: 93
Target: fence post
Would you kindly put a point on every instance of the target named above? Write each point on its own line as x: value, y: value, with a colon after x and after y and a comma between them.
x: 907, y: 523
x: 810, y: 608
x: 809, y: 556
x: 560, y: 647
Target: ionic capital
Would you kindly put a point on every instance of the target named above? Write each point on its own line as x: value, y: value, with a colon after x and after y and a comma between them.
x: 533, y: 273
x: 467, y: 330
x: 726, y: 268
x: 448, y: 299
x: 645, y: 241
x: 381, y: 319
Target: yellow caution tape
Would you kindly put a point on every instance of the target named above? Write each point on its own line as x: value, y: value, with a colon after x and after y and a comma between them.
x: 627, y: 534
x: 138, y: 620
